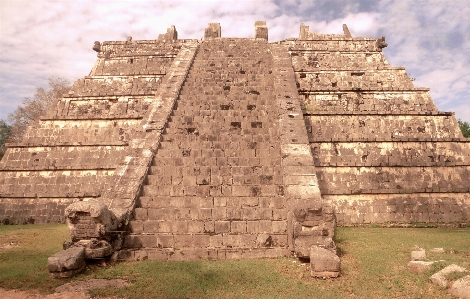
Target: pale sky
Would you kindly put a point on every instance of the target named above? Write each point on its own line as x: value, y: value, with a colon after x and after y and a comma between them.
x: 44, y: 38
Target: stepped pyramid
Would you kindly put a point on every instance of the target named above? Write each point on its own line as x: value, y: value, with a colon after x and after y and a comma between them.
x: 236, y: 148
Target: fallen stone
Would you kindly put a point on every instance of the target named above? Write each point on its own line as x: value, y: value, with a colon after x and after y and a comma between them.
x: 418, y: 254
x: 461, y: 288
x: 440, y: 279
x: 67, y: 263
x: 324, y: 263
x: 437, y: 250
x: 303, y: 244
x: 420, y: 266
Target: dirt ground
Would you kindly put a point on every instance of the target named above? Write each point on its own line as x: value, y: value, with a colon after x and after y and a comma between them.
x: 73, y: 290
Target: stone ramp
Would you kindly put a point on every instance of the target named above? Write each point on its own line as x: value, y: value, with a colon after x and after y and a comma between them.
x: 215, y: 186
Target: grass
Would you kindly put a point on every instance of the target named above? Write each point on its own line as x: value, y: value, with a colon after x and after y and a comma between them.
x: 374, y: 265
x: 23, y: 264
x: 456, y: 275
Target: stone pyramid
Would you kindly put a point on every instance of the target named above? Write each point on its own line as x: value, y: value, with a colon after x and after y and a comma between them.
x: 222, y: 148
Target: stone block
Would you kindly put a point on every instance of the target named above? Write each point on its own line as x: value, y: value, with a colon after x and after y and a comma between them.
x: 216, y: 241
x: 222, y: 226
x: 299, y: 191
x: 183, y: 241
x: 302, y: 244
x: 265, y: 226
x: 461, y: 288
x: 238, y: 227
x: 324, y: 263
x: 157, y: 254
x: 420, y: 266
x: 195, y: 226
x: 440, y: 279
x: 132, y: 241
x: 149, y: 241
x: 279, y: 227
x: 149, y: 226
x: 67, y: 263
x: 418, y: 254
x: 166, y: 241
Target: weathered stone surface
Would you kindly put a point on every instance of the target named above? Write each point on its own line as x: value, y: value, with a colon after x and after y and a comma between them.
x: 440, y: 279
x: 214, y: 30
x: 437, y: 250
x: 67, y: 263
x: 90, y: 219
x: 418, y: 254
x: 461, y: 288
x: 216, y: 179
x: 420, y: 266
x: 96, y: 248
x: 302, y: 245
x: 324, y: 263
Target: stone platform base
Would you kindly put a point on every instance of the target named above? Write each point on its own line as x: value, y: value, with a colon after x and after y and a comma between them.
x: 191, y: 254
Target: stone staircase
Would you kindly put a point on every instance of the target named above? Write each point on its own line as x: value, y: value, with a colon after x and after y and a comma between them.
x: 215, y: 188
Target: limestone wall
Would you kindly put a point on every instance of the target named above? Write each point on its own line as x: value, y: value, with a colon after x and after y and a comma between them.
x: 357, y: 180
x: 64, y: 158
x: 115, y: 86
x: 409, y: 153
x: 34, y: 210
x: 81, y: 131
x: 375, y: 127
x: 113, y: 107
x: 403, y: 208
x: 113, y: 49
x: 333, y: 44
x: 374, y: 102
x: 323, y: 80
x: 311, y: 62
x: 138, y: 65
x: 53, y: 182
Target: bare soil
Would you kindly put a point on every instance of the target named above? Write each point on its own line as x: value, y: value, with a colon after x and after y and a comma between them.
x: 73, y: 290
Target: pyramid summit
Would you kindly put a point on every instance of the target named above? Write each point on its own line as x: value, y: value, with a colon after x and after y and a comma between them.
x: 220, y: 148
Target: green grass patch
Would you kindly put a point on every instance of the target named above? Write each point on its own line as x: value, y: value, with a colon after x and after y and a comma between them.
x: 374, y: 265
x: 24, y: 250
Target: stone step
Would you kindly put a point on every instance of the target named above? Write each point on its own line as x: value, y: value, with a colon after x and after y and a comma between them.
x: 190, y: 153
x: 215, y: 179
x: 254, y: 172
x: 188, y: 241
x: 182, y: 120
x: 218, y: 138
x: 207, y: 190
x: 195, y: 214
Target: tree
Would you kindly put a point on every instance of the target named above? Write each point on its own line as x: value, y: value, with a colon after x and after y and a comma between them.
x: 4, y: 135
x: 465, y: 127
x: 31, y: 109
